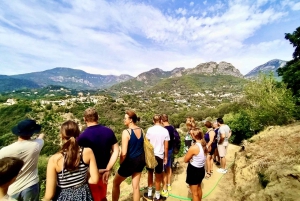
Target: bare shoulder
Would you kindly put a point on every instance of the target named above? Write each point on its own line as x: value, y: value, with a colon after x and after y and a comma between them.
x: 87, y: 151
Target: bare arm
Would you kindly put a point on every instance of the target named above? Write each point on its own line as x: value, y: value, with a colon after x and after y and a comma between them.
x: 41, y: 136
x: 51, y: 179
x: 166, y: 145
x: 94, y: 175
x: 211, y: 138
x: 125, y: 140
x: 192, y: 150
x: 222, y: 137
x: 112, y: 161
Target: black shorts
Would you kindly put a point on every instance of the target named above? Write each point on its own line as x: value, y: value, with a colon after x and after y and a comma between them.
x: 194, y: 175
x: 212, y: 151
x: 132, y: 165
x: 160, y: 165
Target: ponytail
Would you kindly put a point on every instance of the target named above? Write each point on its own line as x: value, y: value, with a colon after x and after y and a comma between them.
x: 70, y: 149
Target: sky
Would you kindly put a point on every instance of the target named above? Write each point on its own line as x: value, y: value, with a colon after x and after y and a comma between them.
x: 133, y: 36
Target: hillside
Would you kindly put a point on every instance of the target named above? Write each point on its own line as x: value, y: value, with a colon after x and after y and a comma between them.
x: 151, y: 78
x: 72, y: 78
x: 8, y: 83
x: 268, y: 168
x: 268, y: 67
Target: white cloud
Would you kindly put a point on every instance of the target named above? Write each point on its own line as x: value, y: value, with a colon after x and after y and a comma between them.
x: 117, y: 37
x: 191, y: 3
x: 296, y: 6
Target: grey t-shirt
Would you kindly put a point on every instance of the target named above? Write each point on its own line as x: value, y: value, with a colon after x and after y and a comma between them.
x: 224, y: 129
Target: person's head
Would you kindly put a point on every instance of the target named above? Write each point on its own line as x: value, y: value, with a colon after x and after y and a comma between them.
x: 220, y: 121
x: 164, y: 118
x: 190, y: 123
x: 90, y: 115
x: 157, y: 119
x: 130, y: 118
x: 69, y: 131
x: 9, y: 170
x: 26, y: 128
x: 208, y: 124
x: 215, y: 125
x: 197, y: 134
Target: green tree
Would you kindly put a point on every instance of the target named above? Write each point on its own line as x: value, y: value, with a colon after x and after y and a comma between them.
x: 291, y: 71
x: 268, y: 102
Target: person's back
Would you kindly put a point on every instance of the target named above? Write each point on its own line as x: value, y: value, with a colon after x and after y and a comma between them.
x: 104, y: 144
x: 224, y: 129
x: 68, y: 169
x: 26, y: 185
x: 157, y: 135
x: 100, y: 139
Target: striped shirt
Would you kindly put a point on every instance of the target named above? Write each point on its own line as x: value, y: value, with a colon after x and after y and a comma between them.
x: 67, y: 178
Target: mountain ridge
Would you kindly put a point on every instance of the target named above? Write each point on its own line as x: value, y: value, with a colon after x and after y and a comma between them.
x: 266, y: 68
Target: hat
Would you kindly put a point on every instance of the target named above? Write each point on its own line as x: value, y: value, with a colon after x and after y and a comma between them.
x: 26, y: 128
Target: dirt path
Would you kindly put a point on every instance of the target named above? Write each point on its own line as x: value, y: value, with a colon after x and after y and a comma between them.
x: 214, y: 188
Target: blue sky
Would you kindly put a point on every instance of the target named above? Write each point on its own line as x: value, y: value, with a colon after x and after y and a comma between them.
x: 134, y: 36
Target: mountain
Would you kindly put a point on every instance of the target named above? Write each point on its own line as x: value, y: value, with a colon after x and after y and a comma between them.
x: 8, y: 83
x: 72, y: 78
x: 150, y: 78
x: 270, y: 66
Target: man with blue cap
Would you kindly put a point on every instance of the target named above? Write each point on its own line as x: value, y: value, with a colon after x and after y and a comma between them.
x: 26, y: 186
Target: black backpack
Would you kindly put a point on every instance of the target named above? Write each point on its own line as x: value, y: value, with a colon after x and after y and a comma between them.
x: 177, y: 142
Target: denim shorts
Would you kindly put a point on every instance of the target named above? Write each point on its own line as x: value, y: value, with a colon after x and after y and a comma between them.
x: 29, y: 194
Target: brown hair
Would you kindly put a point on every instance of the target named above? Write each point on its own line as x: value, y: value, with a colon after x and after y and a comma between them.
x: 157, y: 118
x: 164, y: 118
x: 131, y: 114
x: 208, y: 124
x: 70, y: 149
x: 9, y: 169
x: 190, y: 123
x: 90, y: 115
x: 199, y: 135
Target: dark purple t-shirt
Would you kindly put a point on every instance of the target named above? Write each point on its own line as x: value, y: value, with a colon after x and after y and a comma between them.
x: 170, y: 128
x: 100, y: 139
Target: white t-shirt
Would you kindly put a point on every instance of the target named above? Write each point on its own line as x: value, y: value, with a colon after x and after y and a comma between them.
x: 157, y: 136
x: 224, y: 129
x: 28, y: 151
x: 7, y: 198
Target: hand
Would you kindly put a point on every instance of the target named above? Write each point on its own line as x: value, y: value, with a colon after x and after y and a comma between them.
x: 165, y: 160
x: 105, y: 176
x: 101, y: 171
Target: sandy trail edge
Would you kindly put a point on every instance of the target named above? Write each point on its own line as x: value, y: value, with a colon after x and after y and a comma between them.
x: 212, y: 189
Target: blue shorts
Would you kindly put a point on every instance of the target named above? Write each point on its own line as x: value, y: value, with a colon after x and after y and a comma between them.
x: 169, y: 161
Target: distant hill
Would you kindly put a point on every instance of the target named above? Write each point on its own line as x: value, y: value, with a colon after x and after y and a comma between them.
x: 72, y: 78
x: 8, y: 83
x: 150, y: 78
x: 270, y: 66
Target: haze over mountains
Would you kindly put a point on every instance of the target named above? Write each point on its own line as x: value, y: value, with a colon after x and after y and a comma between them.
x: 78, y: 79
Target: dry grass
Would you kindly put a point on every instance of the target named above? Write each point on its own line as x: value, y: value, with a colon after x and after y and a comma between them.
x: 269, y: 168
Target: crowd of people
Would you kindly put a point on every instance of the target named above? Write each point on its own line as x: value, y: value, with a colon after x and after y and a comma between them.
x: 81, y: 168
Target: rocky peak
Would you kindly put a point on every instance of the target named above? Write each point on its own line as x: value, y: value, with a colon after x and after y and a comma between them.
x: 223, y: 68
x: 270, y: 66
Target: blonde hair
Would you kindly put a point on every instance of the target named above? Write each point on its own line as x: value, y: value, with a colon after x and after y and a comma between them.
x: 157, y: 118
x: 190, y: 123
x: 90, y: 115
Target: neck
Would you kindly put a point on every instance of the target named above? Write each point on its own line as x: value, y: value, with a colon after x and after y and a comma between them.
x: 88, y: 124
x: 166, y: 123
x: 3, y: 191
x: 157, y: 123
x: 22, y: 139
x: 132, y: 125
